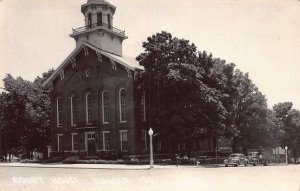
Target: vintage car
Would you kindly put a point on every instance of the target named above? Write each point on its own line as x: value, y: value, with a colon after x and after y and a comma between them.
x: 254, y: 158
x: 236, y: 159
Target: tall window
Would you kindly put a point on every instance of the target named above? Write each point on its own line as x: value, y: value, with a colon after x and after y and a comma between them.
x: 89, y: 20
x: 123, y: 140
x: 88, y: 104
x: 59, y: 112
x: 99, y: 19
x: 106, y: 140
x: 73, y: 110
x: 74, y: 142
x: 143, y: 107
x: 159, y: 144
x: 105, y: 107
x: 144, y: 140
x: 122, y: 102
x: 59, y: 142
x: 109, y: 20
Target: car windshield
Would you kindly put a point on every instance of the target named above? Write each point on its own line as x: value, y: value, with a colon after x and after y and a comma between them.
x: 252, y: 154
x: 234, y: 155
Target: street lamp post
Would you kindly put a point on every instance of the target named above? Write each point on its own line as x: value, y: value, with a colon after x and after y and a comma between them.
x: 286, y: 154
x: 151, y: 148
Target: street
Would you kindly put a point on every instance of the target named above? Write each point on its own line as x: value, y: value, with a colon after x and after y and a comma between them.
x: 262, y: 178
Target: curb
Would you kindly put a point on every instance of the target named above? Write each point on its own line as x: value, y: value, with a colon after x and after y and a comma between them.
x: 108, y: 167
x: 99, y: 166
x: 76, y: 167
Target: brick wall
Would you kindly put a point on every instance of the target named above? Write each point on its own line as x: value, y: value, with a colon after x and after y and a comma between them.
x: 90, y: 75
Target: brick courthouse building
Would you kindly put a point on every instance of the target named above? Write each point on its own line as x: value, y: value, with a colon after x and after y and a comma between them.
x: 96, y: 106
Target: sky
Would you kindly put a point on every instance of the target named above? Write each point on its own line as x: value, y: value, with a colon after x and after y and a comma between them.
x: 262, y: 37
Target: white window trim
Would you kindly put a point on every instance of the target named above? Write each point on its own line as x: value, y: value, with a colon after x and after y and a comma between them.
x: 103, y: 122
x: 145, y: 137
x: 72, y: 116
x: 120, y: 106
x: 86, y: 138
x: 121, y: 141
x: 103, y: 140
x: 72, y: 134
x: 57, y: 113
x: 58, y: 143
x: 86, y: 108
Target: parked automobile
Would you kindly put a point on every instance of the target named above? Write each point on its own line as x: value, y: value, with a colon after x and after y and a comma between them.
x: 236, y: 159
x: 260, y: 156
x: 254, y: 158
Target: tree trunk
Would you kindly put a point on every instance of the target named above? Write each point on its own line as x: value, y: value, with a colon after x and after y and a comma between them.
x: 9, y: 155
x: 5, y: 155
x: 295, y: 155
x: 234, y: 144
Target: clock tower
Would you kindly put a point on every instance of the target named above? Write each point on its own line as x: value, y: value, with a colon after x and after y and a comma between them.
x: 98, y: 29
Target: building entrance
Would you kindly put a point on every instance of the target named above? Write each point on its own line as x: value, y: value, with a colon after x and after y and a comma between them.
x: 90, y: 143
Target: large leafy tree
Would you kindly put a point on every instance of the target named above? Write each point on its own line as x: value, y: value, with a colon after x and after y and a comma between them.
x: 24, y: 113
x: 219, y: 77
x: 252, y: 119
x: 246, y: 118
x: 169, y: 76
x: 192, y: 94
x: 288, y: 121
x: 185, y: 88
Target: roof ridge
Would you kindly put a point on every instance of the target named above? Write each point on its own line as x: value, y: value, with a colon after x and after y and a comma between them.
x: 126, y: 62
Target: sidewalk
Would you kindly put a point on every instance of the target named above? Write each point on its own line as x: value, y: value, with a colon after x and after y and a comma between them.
x: 76, y: 166
x: 98, y: 166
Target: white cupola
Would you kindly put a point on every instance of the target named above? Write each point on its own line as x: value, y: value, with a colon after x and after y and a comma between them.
x: 98, y: 29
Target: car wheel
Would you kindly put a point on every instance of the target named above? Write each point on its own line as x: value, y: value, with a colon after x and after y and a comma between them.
x: 246, y: 163
x: 226, y: 165
x: 255, y: 163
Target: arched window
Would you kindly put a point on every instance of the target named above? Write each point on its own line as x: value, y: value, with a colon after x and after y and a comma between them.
x: 73, y: 110
x: 122, y: 102
x: 59, y: 110
x: 99, y: 19
x: 88, y: 108
x: 89, y: 20
x: 105, y: 107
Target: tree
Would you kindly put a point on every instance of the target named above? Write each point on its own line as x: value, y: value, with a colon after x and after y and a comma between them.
x: 219, y: 76
x: 185, y: 88
x: 192, y: 94
x: 252, y: 119
x: 24, y: 113
x: 288, y: 121
x: 13, y: 118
